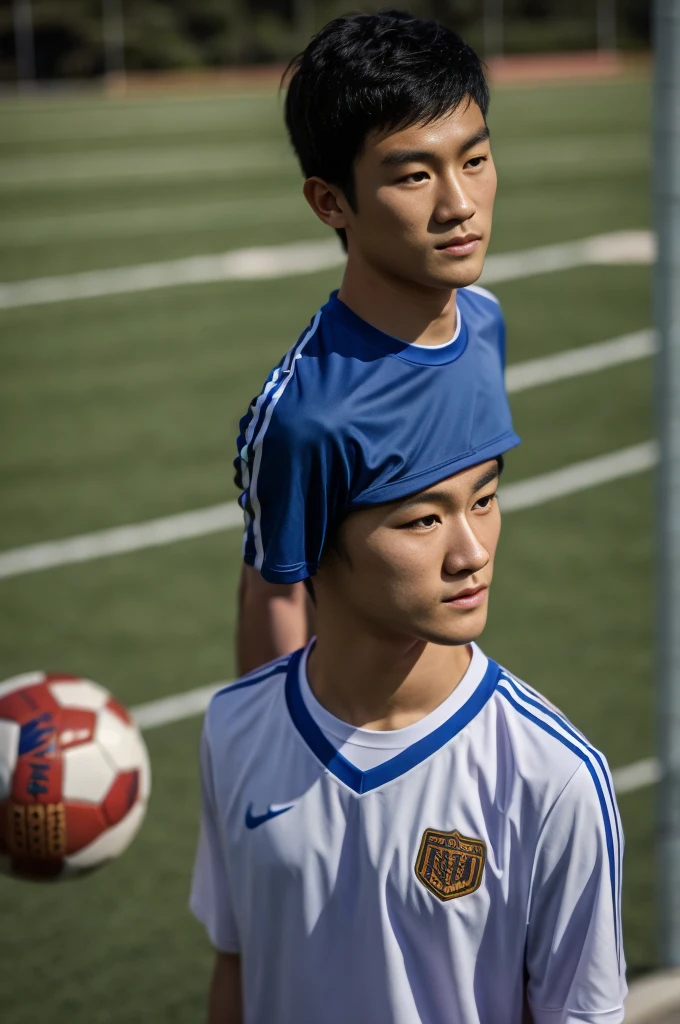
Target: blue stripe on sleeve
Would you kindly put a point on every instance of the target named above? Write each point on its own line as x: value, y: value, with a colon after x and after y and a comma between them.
x: 274, y: 668
x: 255, y: 441
x: 534, y: 699
x: 584, y: 756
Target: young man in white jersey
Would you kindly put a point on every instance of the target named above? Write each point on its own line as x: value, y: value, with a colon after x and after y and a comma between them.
x: 394, y: 828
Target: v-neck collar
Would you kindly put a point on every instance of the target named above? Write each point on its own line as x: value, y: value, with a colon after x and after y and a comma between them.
x: 365, y: 781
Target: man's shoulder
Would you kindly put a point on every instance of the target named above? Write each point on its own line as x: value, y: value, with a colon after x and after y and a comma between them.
x: 297, y: 396
x: 240, y: 705
x: 547, y: 748
x: 477, y: 301
x: 476, y: 293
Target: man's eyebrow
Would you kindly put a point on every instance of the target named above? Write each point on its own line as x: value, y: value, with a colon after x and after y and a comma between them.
x: 407, y: 156
x: 440, y: 497
x: 474, y: 140
x: 423, y: 156
x: 443, y: 497
x: 491, y: 475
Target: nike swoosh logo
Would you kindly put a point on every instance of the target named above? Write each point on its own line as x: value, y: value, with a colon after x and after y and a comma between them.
x: 253, y: 820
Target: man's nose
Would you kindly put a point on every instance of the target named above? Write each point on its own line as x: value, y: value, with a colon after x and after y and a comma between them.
x: 453, y: 202
x: 465, y: 553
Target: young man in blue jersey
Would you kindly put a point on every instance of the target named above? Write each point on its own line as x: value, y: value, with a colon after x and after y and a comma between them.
x: 387, y: 115
x: 395, y: 829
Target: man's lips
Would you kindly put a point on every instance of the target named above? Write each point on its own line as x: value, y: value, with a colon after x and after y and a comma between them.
x: 470, y: 598
x: 460, y: 246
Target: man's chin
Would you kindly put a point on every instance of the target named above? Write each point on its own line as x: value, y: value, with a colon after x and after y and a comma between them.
x: 457, y: 276
x: 461, y: 634
x: 465, y: 274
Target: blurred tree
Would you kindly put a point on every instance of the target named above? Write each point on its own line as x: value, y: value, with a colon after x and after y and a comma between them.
x: 162, y: 34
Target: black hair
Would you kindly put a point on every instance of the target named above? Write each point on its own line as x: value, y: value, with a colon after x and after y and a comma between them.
x: 366, y: 73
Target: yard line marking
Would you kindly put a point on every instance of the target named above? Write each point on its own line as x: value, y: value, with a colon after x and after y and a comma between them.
x: 154, y: 220
x: 40, y: 123
x: 267, y: 262
x: 157, y: 532
x: 578, y: 361
x: 635, y: 776
x: 256, y: 264
x: 156, y: 713
x: 579, y: 477
x: 174, y: 709
x: 78, y: 170
x: 121, y: 539
x: 619, y: 247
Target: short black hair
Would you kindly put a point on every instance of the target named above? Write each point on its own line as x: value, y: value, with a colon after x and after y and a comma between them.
x: 366, y: 73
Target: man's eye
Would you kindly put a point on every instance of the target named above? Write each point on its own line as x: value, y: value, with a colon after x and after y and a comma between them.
x: 416, y: 176
x: 485, y: 502
x: 476, y: 161
x: 425, y: 522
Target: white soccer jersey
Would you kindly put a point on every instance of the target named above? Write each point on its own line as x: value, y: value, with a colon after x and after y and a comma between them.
x: 477, y: 867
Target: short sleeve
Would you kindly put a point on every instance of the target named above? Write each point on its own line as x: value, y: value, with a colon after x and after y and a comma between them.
x: 210, y: 898
x: 292, y: 480
x: 574, y: 958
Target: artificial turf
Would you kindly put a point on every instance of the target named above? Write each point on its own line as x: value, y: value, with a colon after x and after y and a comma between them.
x: 122, y: 409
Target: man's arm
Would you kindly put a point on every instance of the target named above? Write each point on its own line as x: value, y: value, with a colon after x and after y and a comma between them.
x: 224, y: 1006
x: 574, y: 957
x: 273, y: 620
x: 211, y: 901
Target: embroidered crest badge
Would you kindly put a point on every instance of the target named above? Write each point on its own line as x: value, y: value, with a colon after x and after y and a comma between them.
x: 449, y: 864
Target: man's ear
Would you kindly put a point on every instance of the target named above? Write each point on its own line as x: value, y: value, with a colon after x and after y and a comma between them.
x: 327, y: 201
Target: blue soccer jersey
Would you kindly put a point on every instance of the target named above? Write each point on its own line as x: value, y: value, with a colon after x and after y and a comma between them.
x: 354, y: 417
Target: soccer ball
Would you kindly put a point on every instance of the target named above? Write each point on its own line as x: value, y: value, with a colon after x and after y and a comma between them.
x: 74, y: 776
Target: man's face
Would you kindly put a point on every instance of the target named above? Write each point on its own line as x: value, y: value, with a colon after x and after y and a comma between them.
x: 419, y: 568
x: 424, y: 200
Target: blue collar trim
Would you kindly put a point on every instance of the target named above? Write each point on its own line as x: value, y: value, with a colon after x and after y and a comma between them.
x: 420, y: 354
x: 364, y: 782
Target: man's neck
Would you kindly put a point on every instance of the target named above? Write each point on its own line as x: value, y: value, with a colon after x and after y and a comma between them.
x: 402, y: 308
x: 382, y: 683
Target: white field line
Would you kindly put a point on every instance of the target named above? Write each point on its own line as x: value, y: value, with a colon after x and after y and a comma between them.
x: 635, y: 776
x: 128, y: 123
x: 579, y: 477
x: 176, y: 708
x: 254, y: 264
x: 617, y: 248
x: 157, y: 532
x: 168, y: 529
x: 576, y: 362
x: 121, y: 539
x: 212, y: 214
x: 194, y: 702
x: 267, y: 262
x: 655, y: 998
x: 92, y: 168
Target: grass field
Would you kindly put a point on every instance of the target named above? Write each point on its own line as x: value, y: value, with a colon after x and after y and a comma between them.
x: 125, y: 408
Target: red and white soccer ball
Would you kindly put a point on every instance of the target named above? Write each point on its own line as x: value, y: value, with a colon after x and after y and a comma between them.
x: 74, y: 776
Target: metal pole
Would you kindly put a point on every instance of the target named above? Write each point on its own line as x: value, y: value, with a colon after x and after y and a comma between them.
x: 23, y: 36
x: 113, y: 26
x: 493, y: 28
x: 667, y: 314
x: 606, y: 25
